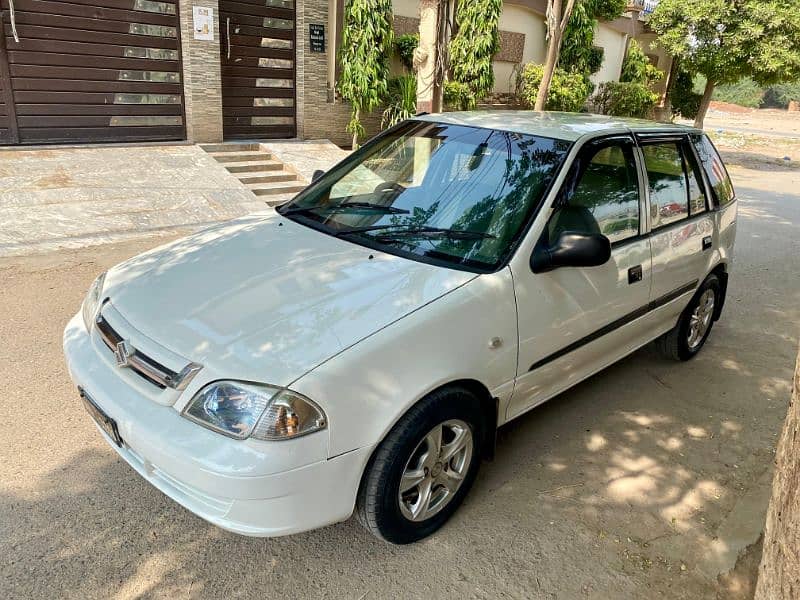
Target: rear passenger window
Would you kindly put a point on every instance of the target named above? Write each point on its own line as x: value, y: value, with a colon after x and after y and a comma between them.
x: 721, y: 185
x: 669, y: 198
x: 605, y: 199
x: 697, y: 197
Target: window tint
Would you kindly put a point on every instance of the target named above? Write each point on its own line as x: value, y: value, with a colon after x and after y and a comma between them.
x: 668, y: 188
x: 715, y: 170
x: 482, y: 184
x: 697, y: 197
x: 605, y: 199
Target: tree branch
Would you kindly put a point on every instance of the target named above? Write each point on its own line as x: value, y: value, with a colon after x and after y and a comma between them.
x: 566, y: 15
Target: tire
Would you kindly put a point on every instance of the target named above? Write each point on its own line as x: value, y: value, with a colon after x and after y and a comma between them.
x: 380, y: 506
x: 683, y: 342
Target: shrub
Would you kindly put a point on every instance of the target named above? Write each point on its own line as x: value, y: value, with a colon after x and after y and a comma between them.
x: 459, y: 96
x: 625, y: 99
x: 636, y: 68
x: 401, y: 100
x: 568, y: 91
x: 684, y: 100
x: 404, y: 46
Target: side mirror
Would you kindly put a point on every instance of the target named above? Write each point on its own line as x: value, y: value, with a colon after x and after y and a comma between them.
x: 572, y: 250
x: 317, y: 174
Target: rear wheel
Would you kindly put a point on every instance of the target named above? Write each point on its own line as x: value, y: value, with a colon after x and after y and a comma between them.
x: 694, y: 326
x: 423, y: 469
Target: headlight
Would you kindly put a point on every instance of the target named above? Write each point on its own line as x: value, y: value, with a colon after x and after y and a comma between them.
x: 264, y: 412
x: 92, y: 301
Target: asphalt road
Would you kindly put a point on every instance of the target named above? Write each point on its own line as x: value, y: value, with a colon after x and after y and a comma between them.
x: 643, y: 482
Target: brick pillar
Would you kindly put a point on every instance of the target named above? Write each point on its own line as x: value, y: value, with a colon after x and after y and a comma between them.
x: 202, y: 83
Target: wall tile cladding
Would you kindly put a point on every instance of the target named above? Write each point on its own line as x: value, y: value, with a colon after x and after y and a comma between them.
x: 202, y: 82
x: 316, y: 117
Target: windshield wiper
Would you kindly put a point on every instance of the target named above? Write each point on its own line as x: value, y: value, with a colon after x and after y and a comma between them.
x: 387, y: 210
x: 455, y: 234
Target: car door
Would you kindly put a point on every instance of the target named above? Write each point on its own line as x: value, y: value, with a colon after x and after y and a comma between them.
x: 682, y: 228
x: 574, y: 321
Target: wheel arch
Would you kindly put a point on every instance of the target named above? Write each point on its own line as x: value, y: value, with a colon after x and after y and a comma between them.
x: 721, y: 271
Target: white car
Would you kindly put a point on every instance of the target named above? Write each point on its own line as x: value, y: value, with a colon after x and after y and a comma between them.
x: 358, y: 348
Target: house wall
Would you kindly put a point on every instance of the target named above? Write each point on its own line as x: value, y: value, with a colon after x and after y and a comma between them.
x: 614, y: 43
x: 524, y: 21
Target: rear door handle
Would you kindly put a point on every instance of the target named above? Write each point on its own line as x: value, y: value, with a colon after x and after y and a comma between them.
x: 707, y: 242
x: 634, y: 274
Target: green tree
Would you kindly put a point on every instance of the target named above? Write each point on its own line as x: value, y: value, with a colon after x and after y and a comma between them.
x: 475, y: 43
x: 725, y: 40
x: 367, y: 41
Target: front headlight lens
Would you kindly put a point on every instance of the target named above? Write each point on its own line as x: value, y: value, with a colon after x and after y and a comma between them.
x: 242, y: 410
x: 92, y: 301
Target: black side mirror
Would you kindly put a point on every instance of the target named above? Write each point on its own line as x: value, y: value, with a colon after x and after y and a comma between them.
x: 317, y: 174
x: 572, y: 249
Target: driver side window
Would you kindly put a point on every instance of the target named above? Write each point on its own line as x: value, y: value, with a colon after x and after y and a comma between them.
x: 605, y: 198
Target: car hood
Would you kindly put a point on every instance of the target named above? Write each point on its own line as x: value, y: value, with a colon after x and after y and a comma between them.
x: 266, y: 299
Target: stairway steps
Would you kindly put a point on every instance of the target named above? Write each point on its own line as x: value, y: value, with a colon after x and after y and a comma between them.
x: 240, y: 156
x: 266, y: 177
x: 251, y: 166
x: 267, y: 189
x: 230, y: 147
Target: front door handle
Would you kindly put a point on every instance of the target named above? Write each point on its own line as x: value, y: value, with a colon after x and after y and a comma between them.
x: 13, y: 20
x: 228, y: 35
x: 707, y: 242
x: 634, y: 274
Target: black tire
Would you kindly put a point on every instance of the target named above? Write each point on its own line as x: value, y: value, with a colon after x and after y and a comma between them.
x: 378, y: 504
x: 675, y: 343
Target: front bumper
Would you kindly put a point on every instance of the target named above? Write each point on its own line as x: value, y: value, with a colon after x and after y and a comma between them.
x: 247, y: 487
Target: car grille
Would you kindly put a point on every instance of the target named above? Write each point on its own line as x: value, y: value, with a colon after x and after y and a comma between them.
x: 145, y: 367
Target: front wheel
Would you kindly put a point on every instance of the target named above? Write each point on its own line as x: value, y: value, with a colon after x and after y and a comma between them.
x: 423, y: 469
x: 694, y: 326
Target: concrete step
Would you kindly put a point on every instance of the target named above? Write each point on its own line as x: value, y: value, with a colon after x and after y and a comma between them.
x: 271, y: 189
x: 266, y: 176
x: 230, y: 147
x: 240, y: 156
x: 254, y: 166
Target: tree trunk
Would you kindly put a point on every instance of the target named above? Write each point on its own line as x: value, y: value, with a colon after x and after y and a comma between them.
x: 553, y: 46
x: 704, y: 104
x: 355, y: 134
x: 779, y: 573
x: 425, y: 55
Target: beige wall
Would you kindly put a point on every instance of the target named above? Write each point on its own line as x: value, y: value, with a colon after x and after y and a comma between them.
x: 614, y: 44
x: 520, y: 20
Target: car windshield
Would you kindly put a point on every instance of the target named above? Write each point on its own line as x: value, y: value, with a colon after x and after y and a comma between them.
x: 435, y: 192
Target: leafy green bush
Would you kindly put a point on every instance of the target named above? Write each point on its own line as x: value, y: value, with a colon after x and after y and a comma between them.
x: 779, y: 95
x: 625, y: 99
x: 476, y: 41
x: 637, y: 68
x: 458, y: 96
x: 745, y: 92
x: 568, y: 91
x: 684, y: 100
x: 401, y: 100
x: 404, y: 46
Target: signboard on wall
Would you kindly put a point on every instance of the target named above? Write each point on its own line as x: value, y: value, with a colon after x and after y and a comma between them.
x: 316, y: 36
x: 203, y: 23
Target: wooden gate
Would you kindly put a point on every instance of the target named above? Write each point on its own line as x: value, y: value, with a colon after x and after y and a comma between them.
x: 258, y: 68
x: 90, y: 71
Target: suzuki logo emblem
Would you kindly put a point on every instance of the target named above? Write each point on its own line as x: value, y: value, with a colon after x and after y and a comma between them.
x: 123, y: 353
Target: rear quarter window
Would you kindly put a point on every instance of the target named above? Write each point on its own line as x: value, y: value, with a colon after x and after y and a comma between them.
x: 715, y: 170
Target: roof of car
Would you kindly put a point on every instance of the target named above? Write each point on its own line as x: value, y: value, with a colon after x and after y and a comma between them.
x: 559, y: 125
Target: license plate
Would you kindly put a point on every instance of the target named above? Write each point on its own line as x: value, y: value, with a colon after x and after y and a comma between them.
x: 105, y: 422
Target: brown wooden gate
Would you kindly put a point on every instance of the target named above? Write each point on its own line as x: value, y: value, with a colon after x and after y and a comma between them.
x: 258, y: 68
x: 90, y: 71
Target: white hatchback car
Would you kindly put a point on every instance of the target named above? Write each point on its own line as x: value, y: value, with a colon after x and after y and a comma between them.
x: 358, y: 347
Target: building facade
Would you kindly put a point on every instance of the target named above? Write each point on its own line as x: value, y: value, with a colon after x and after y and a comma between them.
x: 207, y: 70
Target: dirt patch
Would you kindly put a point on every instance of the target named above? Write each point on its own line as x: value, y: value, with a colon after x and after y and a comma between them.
x: 729, y: 108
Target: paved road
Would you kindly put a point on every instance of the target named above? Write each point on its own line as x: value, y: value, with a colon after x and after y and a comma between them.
x: 642, y: 482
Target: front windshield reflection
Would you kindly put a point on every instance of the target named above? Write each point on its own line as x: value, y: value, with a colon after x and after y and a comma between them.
x: 447, y: 192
